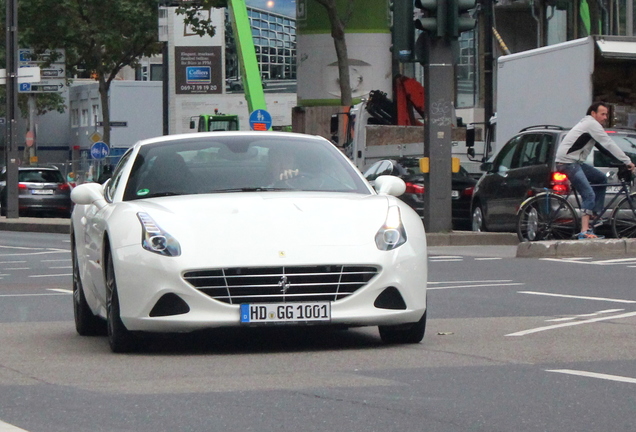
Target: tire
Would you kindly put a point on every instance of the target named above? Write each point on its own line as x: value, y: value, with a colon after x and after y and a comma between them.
x: 624, y: 218
x: 120, y: 339
x: 477, y: 219
x: 86, y: 323
x: 546, y: 216
x: 405, y: 333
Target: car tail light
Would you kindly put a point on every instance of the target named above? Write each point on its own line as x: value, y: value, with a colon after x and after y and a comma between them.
x: 414, y: 188
x: 22, y: 186
x: 63, y: 187
x: 468, y: 192
x: 559, y: 183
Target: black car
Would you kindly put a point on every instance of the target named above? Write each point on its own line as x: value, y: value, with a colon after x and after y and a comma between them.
x: 525, y: 163
x: 41, y: 190
x: 408, y: 169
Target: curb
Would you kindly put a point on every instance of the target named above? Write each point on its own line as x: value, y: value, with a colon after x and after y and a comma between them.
x: 577, y: 248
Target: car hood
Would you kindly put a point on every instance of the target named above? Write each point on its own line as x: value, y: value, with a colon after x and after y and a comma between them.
x: 269, y: 223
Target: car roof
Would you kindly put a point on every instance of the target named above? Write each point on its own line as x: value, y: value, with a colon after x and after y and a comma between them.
x: 220, y: 134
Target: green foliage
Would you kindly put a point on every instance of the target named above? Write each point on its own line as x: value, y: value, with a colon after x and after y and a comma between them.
x: 193, y: 17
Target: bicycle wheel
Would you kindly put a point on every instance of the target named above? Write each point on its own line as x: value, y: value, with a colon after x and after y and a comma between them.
x: 624, y: 218
x: 546, y: 216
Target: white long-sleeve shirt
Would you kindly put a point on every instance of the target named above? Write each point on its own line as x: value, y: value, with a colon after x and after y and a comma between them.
x: 582, y: 138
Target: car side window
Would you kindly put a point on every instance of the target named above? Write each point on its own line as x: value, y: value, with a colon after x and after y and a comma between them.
x: 533, y: 150
x: 504, y: 160
x: 384, y: 167
x: 115, y: 180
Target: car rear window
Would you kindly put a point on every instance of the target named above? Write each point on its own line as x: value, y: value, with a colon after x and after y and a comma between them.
x: 40, y: 176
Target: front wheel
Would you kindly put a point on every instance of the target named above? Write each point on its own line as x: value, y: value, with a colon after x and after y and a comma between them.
x: 546, y: 216
x: 405, y: 333
x: 120, y: 339
x: 624, y: 218
x: 478, y: 219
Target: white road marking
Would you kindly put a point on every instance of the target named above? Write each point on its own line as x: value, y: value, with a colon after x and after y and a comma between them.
x: 37, y: 253
x: 601, y: 262
x: 33, y: 295
x: 471, y: 281
x: 577, y: 297
x: 570, y: 318
x: 594, y: 375
x: 51, y: 275
x: 12, y: 262
x: 569, y: 324
x: 445, y: 260
x: 487, y: 259
x: 6, y: 427
x: 16, y: 268
x: 475, y: 286
x: 62, y: 267
x: 54, y: 260
x: 61, y: 290
x: 446, y: 256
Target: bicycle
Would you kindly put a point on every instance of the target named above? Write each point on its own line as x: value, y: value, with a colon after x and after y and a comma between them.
x: 549, y: 215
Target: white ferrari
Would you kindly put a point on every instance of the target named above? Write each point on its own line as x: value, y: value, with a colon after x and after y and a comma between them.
x: 244, y: 229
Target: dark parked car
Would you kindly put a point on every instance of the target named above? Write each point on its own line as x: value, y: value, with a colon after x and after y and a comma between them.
x: 41, y: 190
x: 526, y: 162
x: 408, y: 169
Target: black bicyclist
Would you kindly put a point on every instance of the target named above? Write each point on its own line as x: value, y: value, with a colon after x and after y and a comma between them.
x: 574, y: 150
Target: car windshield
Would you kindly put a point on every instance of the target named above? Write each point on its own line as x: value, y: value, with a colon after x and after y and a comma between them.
x: 240, y: 164
x: 40, y: 176
x: 627, y: 143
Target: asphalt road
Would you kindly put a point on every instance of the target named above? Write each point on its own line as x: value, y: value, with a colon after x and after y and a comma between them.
x: 512, y: 345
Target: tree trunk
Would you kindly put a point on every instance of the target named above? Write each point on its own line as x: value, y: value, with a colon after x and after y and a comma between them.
x: 340, y: 44
x: 104, y: 87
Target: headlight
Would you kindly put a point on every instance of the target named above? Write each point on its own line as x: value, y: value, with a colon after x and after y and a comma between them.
x: 154, y: 239
x: 392, y: 233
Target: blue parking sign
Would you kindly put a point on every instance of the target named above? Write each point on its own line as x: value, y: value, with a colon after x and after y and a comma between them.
x: 99, y: 150
x: 25, y: 87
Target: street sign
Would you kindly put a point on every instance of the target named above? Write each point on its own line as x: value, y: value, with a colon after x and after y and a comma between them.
x: 95, y: 136
x: 260, y: 120
x: 42, y: 87
x: 54, y: 71
x: 99, y: 150
x: 114, y: 124
x: 25, y: 75
x: 28, y: 56
x: 29, y: 138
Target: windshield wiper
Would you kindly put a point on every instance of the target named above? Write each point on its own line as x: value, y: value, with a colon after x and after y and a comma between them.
x: 161, y: 194
x: 249, y: 189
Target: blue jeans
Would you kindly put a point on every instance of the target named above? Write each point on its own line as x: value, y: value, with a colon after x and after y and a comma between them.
x: 580, y: 176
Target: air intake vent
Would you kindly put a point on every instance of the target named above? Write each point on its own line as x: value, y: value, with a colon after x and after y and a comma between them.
x: 281, y: 284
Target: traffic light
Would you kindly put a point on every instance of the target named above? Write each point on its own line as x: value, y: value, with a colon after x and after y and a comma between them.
x: 402, y: 31
x: 458, y: 21
x: 435, y: 15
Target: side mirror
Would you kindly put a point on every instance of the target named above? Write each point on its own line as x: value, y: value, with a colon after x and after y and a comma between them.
x: 89, y: 193
x: 390, y: 185
x: 470, y: 137
x: 486, y: 166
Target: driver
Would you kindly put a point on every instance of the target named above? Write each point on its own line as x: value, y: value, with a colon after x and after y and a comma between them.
x: 282, y: 165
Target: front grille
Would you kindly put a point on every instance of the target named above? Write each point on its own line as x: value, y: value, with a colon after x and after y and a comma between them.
x: 281, y: 284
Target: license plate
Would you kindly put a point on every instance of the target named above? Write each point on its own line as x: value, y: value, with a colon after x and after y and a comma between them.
x: 285, y: 312
x: 455, y: 194
x: 42, y: 191
x: 613, y: 189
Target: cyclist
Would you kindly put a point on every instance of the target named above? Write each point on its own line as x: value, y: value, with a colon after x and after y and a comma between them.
x: 574, y: 150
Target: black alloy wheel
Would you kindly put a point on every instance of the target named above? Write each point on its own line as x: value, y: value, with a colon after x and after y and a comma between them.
x: 404, y: 333
x: 86, y: 323
x: 120, y: 339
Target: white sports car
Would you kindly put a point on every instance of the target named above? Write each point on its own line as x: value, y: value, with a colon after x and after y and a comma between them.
x: 241, y: 229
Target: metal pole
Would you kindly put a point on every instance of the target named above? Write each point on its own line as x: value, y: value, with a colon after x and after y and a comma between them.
x: 629, y: 18
x: 488, y: 60
x: 439, y: 80
x: 11, y: 146
x: 166, y: 89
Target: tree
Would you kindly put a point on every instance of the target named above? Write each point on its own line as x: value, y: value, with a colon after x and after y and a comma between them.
x: 99, y: 36
x: 45, y: 102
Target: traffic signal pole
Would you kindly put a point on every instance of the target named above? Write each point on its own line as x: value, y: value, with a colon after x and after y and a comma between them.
x: 439, y: 79
x: 11, y: 141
